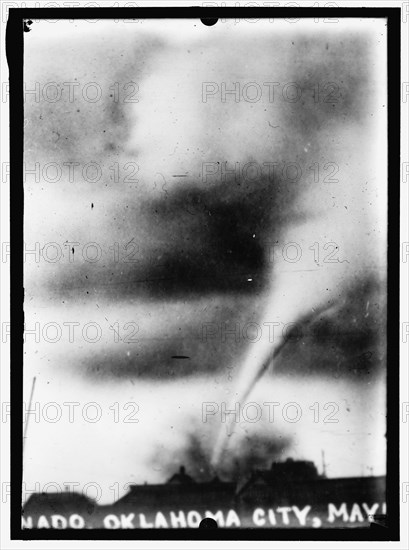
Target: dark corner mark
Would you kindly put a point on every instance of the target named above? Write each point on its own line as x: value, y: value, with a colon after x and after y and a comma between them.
x: 26, y: 23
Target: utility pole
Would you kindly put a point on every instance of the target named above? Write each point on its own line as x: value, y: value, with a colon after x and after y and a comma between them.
x: 29, y: 408
x: 324, y: 470
x: 24, y: 440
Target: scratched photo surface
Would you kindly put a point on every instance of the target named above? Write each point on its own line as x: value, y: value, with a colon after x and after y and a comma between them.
x: 205, y: 226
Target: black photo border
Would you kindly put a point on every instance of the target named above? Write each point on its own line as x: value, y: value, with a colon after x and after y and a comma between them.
x: 14, y: 52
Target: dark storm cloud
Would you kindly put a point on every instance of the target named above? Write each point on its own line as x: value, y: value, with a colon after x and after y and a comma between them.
x: 87, y: 128
x: 347, y: 342
x: 336, y: 76
x: 344, y: 342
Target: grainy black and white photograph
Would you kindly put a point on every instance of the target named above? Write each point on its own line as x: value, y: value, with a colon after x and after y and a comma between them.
x: 205, y: 273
